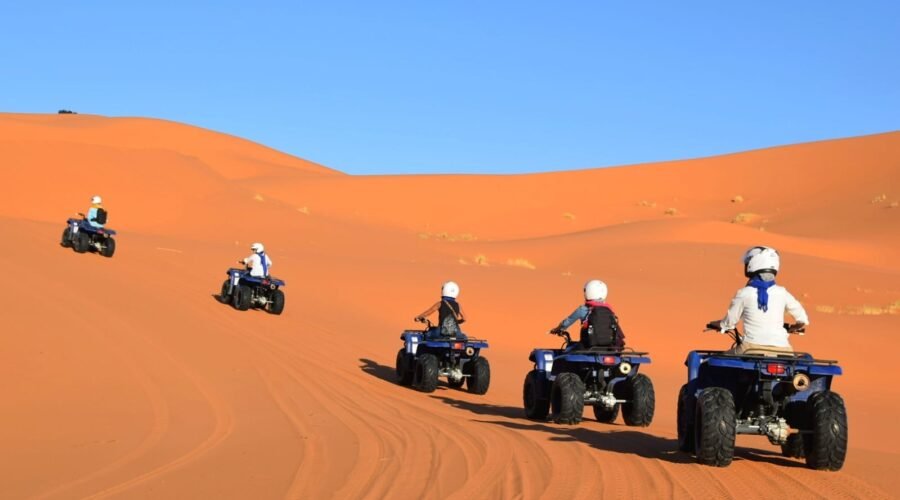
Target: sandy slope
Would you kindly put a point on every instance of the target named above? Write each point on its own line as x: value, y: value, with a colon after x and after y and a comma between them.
x: 125, y: 377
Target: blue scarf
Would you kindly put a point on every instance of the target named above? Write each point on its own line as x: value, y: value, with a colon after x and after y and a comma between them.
x: 762, y: 292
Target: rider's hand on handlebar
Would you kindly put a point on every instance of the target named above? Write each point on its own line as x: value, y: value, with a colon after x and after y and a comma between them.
x: 714, y: 325
x: 556, y: 331
x: 419, y: 319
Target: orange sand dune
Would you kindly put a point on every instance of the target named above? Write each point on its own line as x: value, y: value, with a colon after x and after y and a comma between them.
x: 126, y: 378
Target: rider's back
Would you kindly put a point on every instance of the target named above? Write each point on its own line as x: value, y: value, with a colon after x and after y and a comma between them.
x: 764, y: 327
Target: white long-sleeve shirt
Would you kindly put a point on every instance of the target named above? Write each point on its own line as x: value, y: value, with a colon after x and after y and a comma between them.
x: 254, y: 262
x: 764, y: 328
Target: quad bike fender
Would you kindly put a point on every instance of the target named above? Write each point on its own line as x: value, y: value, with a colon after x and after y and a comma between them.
x: 411, y: 341
x: 543, y: 360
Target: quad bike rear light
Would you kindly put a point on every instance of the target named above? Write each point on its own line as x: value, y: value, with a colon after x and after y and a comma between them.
x: 775, y: 369
x: 459, y: 345
x: 608, y: 360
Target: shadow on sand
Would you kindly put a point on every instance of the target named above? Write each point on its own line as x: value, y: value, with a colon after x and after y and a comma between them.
x: 617, y: 439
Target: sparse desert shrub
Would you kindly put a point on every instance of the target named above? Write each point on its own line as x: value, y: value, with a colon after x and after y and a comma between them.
x: 569, y: 215
x: 737, y: 199
x: 481, y: 260
x: 879, y: 199
x: 67, y: 112
x: 671, y: 211
x: 519, y: 262
x: 648, y: 204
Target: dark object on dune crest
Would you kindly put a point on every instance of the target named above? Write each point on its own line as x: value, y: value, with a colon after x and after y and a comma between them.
x: 67, y: 112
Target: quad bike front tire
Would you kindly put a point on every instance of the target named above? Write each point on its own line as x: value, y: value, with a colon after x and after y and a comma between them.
x: 108, y: 248
x: 715, y: 427
x: 224, y: 294
x: 567, y: 398
x: 606, y: 415
x: 826, y: 447
x: 479, y: 379
x: 685, y: 422
x: 534, y: 396
x: 641, y: 401
x: 426, y: 373
x: 82, y: 242
x: 276, y: 306
x: 66, y: 241
x: 242, y: 297
x: 404, y: 368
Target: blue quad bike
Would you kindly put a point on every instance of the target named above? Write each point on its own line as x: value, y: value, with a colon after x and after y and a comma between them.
x: 786, y: 398
x: 565, y: 380
x: 422, y: 360
x: 244, y: 291
x: 82, y: 237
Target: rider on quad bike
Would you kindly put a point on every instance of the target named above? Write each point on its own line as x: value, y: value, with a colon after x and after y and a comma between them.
x: 258, y: 263
x: 599, y: 324
x: 450, y: 314
x: 96, y: 215
x: 761, y: 305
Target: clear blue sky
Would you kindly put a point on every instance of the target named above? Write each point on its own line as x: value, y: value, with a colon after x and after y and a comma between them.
x: 468, y: 86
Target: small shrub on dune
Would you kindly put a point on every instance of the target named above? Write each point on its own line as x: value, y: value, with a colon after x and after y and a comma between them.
x: 737, y: 199
x: 879, y: 199
x: 648, y: 204
x: 671, y: 211
x: 481, y: 260
x: 521, y: 263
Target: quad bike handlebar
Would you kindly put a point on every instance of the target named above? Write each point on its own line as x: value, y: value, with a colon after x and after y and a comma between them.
x: 428, y: 324
x: 559, y: 332
x: 735, y: 334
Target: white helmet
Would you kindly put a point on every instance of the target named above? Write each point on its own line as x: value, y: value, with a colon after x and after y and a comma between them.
x: 761, y: 259
x: 450, y: 289
x: 595, y: 290
x: 96, y: 200
x: 257, y: 247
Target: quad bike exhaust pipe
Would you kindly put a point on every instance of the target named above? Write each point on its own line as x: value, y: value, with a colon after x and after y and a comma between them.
x: 800, y: 382
x: 625, y: 368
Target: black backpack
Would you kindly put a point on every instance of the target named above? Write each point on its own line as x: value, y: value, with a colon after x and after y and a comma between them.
x: 601, y: 329
x: 101, y: 216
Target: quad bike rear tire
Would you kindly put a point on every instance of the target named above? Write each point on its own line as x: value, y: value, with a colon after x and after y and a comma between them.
x: 242, y: 297
x: 82, y: 242
x: 606, y: 415
x: 567, y: 398
x: 686, y: 402
x: 535, y: 397
x: 66, y: 241
x: 479, y: 379
x: 276, y: 306
x: 426, y: 373
x: 108, y: 248
x: 715, y: 427
x: 404, y: 368
x: 641, y: 401
x: 827, y: 445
